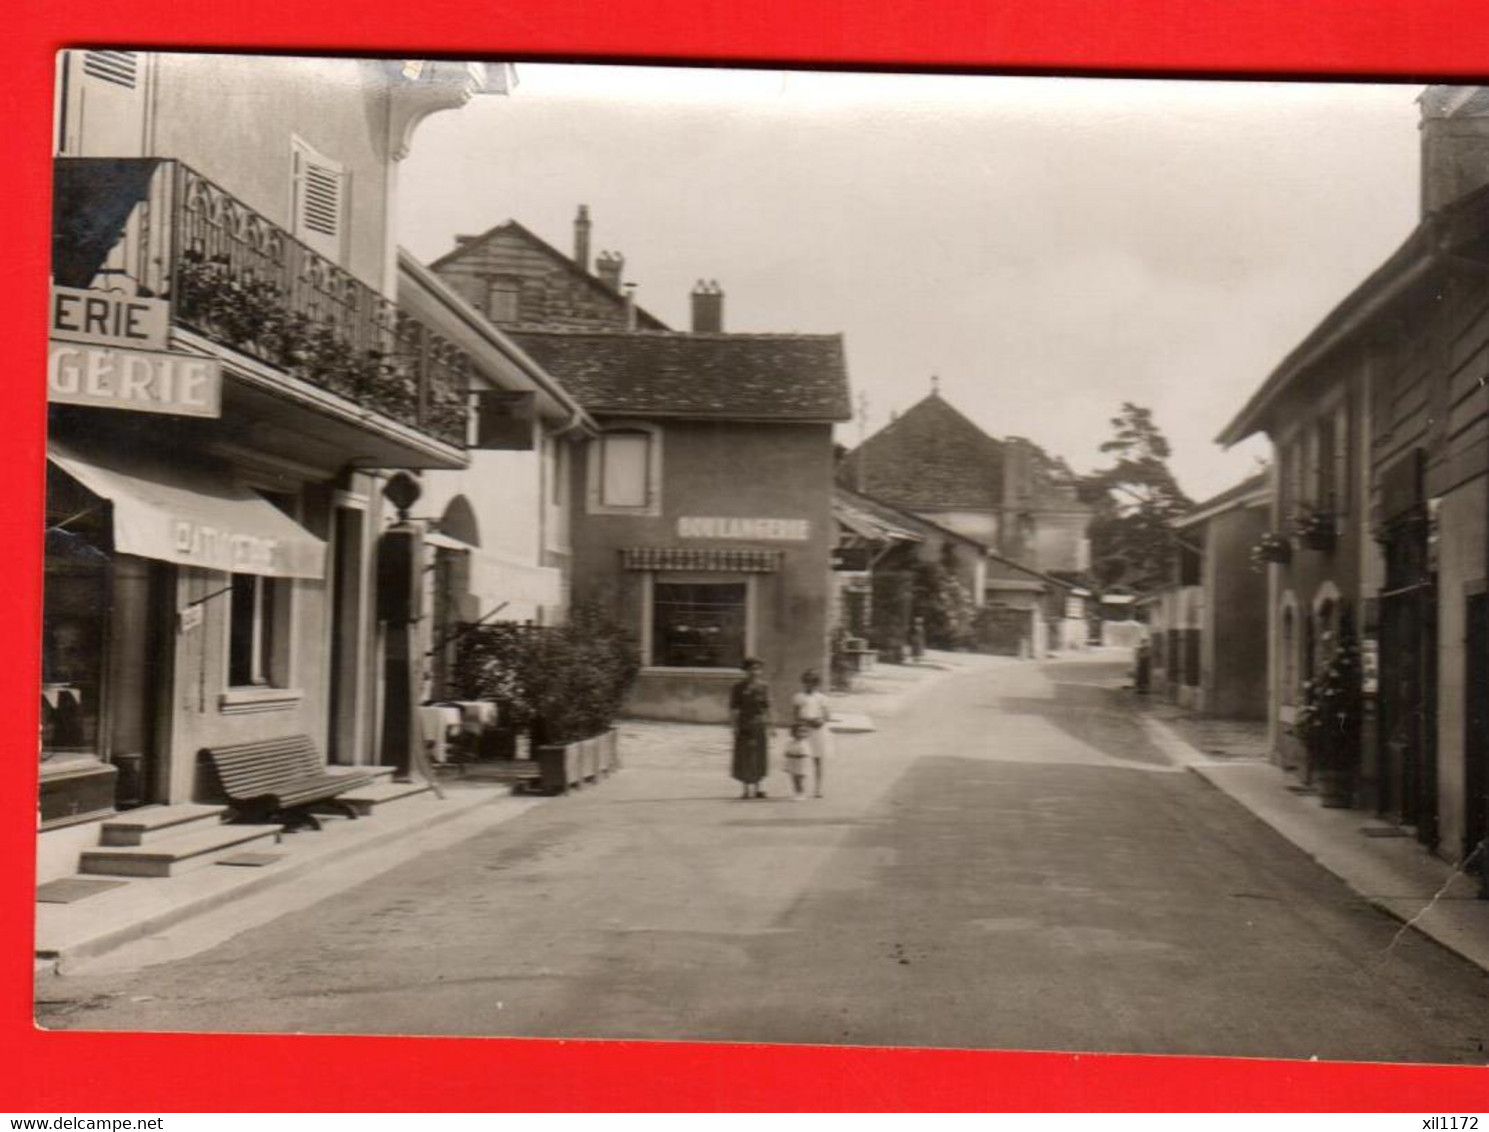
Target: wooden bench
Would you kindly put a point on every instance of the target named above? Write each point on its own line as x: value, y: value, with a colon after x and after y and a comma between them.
x: 280, y: 779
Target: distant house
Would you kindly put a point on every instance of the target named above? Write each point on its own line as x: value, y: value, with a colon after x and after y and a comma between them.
x: 1022, y: 611
x: 1007, y: 494
x: 1208, y: 625
x: 516, y: 278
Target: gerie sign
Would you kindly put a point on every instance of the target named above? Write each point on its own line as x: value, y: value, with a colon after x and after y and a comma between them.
x: 87, y: 366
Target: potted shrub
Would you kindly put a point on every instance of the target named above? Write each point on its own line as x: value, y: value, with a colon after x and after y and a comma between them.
x: 1329, y: 723
x: 577, y: 677
x: 492, y: 663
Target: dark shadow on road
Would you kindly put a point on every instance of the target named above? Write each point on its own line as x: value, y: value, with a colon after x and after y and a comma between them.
x: 1098, y: 716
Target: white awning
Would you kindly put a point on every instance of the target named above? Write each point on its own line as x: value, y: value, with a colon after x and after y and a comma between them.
x: 193, y: 516
x: 498, y: 580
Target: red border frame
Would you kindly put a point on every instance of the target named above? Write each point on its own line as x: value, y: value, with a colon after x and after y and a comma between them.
x: 74, y: 1072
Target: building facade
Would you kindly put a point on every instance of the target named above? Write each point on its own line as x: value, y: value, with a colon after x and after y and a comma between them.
x: 1208, y: 626
x: 1392, y: 385
x: 1005, y: 493
x: 230, y: 379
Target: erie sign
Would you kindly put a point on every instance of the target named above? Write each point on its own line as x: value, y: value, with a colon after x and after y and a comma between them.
x: 108, y: 319
x: 144, y: 381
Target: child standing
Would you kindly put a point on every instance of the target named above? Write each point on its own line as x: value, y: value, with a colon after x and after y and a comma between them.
x: 797, y: 753
x: 809, y: 709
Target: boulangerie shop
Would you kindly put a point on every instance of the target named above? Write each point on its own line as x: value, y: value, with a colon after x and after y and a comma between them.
x: 703, y: 516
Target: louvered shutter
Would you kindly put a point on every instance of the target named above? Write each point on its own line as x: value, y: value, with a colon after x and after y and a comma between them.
x: 118, y: 67
x: 320, y: 201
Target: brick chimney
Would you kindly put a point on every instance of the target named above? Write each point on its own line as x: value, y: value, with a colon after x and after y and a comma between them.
x: 610, y: 267
x: 1455, y: 143
x: 630, y: 306
x: 581, y: 238
x: 708, y: 307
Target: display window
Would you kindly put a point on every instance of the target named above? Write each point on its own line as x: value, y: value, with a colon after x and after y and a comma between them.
x: 699, y: 624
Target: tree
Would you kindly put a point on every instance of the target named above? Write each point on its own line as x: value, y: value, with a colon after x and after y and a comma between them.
x: 1136, y: 500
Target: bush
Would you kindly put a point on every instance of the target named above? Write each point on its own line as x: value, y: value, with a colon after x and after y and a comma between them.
x: 561, y: 684
x: 944, y: 604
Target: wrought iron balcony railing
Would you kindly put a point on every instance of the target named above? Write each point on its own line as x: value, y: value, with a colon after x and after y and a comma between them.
x: 163, y: 230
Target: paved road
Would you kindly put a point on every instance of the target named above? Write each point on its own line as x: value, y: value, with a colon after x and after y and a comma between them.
x: 1008, y: 863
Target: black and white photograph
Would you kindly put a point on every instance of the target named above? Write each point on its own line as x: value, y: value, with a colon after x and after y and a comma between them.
x: 708, y: 554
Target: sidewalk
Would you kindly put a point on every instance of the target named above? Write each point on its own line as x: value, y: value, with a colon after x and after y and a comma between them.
x: 1391, y: 872
x: 145, y: 909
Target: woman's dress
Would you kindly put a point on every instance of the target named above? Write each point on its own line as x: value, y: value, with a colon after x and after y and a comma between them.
x: 751, y: 703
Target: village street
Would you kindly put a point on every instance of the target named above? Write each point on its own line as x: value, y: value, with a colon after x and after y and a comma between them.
x: 1008, y: 862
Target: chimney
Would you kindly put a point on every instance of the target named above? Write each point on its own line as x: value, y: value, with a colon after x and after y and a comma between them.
x: 581, y: 238
x: 609, y: 267
x: 708, y: 307
x: 1017, y: 469
x: 1455, y: 143
x: 630, y: 306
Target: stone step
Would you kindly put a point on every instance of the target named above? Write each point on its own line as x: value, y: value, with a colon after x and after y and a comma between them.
x: 368, y: 798
x: 380, y: 773
x: 172, y: 856
x: 152, y: 823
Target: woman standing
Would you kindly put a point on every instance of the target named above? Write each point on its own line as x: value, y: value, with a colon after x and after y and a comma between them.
x: 749, y: 715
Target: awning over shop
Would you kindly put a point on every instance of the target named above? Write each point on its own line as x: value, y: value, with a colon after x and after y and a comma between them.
x: 701, y: 558
x: 498, y: 580
x: 193, y: 516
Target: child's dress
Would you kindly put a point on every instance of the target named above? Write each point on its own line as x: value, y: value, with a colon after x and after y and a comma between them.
x: 796, y: 756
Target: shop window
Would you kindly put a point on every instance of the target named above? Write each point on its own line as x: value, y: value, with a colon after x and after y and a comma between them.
x: 260, y: 616
x: 625, y: 471
x: 699, y: 624
x: 257, y: 620
x: 75, y: 610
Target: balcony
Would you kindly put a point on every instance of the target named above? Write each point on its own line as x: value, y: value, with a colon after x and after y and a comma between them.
x: 158, y: 228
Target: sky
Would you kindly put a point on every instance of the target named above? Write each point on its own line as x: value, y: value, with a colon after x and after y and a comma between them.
x: 1049, y: 248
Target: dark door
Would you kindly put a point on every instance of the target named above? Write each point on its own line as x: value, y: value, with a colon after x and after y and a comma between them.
x: 1476, y: 731
x: 1408, y: 681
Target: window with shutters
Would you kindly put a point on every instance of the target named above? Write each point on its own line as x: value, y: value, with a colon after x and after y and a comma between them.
x: 319, y: 200
x: 101, y: 105
x: 625, y: 470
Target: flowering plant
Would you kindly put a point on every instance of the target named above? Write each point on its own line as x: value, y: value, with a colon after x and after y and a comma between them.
x: 1271, y: 547
x: 1314, y: 526
x: 1329, y: 721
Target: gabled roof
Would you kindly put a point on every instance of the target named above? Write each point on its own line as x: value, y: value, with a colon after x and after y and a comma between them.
x: 1462, y: 226
x: 1249, y: 491
x: 931, y: 456
x: 869, y: 519
x: 645, y: 320
x: 795, y: 377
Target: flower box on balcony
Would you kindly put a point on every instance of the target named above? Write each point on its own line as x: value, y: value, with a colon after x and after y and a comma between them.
x: 1272, y: 547
x: 239, y: 280
x: 1315, y: 529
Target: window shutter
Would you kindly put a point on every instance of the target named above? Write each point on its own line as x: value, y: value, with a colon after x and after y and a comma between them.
x: 118, y: 67
x: 319, y: 201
